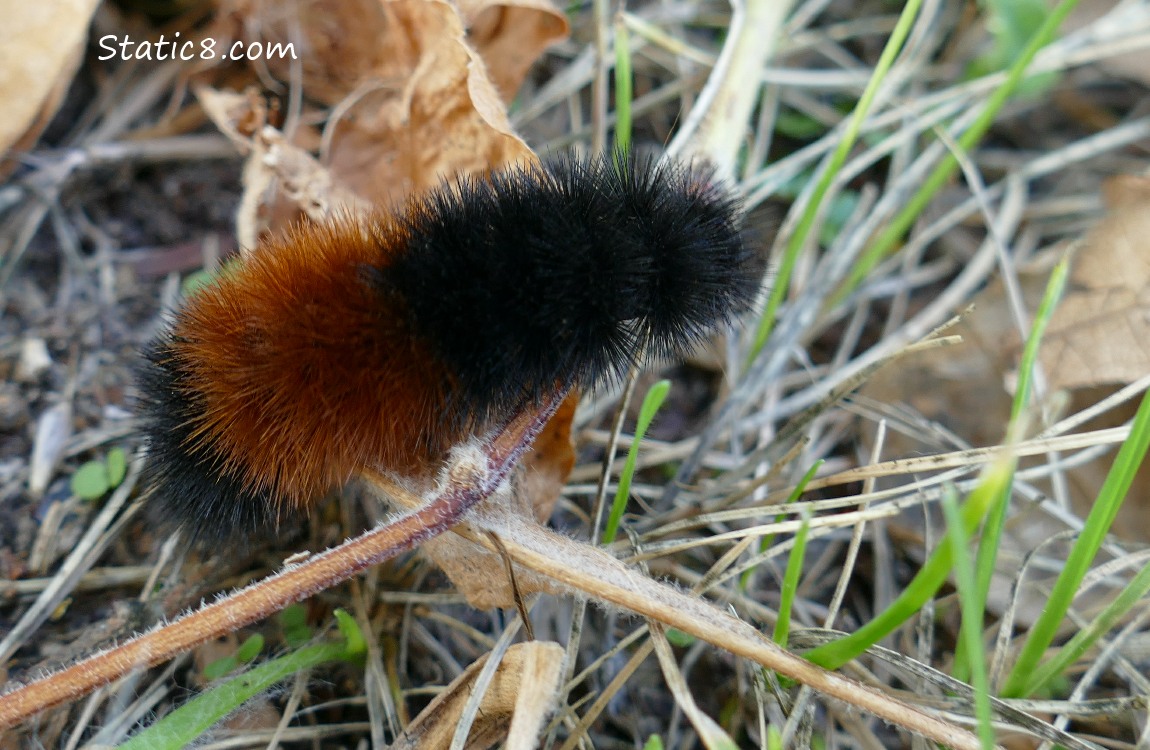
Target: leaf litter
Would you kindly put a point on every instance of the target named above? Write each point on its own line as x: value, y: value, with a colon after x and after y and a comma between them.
x: 355, y: 125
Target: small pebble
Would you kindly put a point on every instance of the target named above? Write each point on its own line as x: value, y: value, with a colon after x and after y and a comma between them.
x: 34, y: 360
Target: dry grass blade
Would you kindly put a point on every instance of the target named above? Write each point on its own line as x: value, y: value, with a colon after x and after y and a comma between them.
x: 515, y: 701
x: 592, y: 572
x: 80, y: 561
x: 710, y: 733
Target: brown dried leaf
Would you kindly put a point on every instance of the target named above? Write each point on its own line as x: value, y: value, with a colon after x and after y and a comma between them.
x: 298, y: 183
x: 961, y: 389
x: 544, y: 470
x: 41, y: 45
x: 343, y: 45
x: 510, y: 36
x: 480, y: 574
x: 238, y: 116
x: 1100, y: 334
x: 424, y: 112
x: 1097, y: 339
x: 436, y: 116
x: 338, y: 43
x: 515, y: 706
x: 1125, y: 190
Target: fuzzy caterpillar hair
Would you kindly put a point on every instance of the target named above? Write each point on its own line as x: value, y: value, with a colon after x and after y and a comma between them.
x: 382, y: 341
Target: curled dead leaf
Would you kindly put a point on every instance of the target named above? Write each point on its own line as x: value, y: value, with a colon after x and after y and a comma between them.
x: 438, y: 115
x: 424, y: 112
x: 281, y: 180
x: 338, y: 43
x: 521, y: 696
x: 41, y: 45
x: 342, y: 45
x: 510, y: 36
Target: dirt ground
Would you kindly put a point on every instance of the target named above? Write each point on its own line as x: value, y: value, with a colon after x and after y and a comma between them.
x: 132, y: 188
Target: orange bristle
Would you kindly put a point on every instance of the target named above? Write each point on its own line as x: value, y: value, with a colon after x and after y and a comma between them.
x: 382, y: 341
x: 302, y: 371
x: 309, y: 372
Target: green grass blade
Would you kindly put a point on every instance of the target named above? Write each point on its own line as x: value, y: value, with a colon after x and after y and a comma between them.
x: 972, y: 616
x: 1050, y: 299
x: 791, y: 580
x: 781, y: 282
x: 996, y: 520
x: 1085, y: 638
x: 186, y: 723
x: 651, y: 403
x: 1098, y: 523
x: 886, y: 241
x: 623, y: 89
x: 928, y: 580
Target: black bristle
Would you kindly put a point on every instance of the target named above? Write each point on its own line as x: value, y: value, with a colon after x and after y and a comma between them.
x: 209, y: 503
x: 567, y: 273
x: 499, y: 289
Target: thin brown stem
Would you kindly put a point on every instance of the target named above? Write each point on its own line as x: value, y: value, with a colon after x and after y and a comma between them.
x: 467, y: 482
x: 595, y: 573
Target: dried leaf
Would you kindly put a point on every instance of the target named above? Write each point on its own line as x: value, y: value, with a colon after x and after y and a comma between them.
x: 480, y: 574
x: 544, y: 470
x: 341, y: 46
x: 510, y: 36
x: 438, y: 115
x: 515, y: 705
x: 274, y: 168
x: 960, y: 389
x: 1100, y: 334
x: 338, y: 43
x: 52, y: 432
x: 1097, y: 338
x: 538, y: 482
x: 41, y: 45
